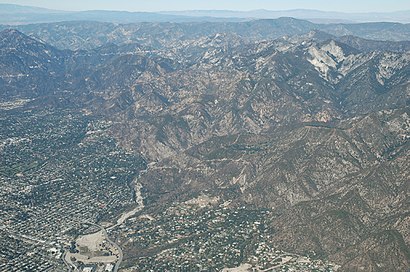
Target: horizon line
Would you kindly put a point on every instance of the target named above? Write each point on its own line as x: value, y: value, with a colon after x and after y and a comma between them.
x: 209, y: 10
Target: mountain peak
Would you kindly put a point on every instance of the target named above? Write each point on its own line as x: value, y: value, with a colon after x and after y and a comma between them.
x: 11, y: 31
x: 13, y: 37
x: 319, y: 35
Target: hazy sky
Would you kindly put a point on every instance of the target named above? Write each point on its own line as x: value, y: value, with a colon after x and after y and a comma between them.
x: 163, y: 5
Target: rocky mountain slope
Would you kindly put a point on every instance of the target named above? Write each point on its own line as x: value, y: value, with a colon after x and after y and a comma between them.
x: 311, y: 126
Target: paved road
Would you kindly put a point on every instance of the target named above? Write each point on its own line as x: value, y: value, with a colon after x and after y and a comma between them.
x: 104, y: 231
x: 70, y: 267
x: 121, y: 255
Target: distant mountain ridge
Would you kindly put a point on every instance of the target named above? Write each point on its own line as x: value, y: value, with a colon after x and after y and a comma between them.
x: 307, y: 14
x: 11, y: 8
x: 21, y: 15
x: 16, y: 14
x: 87, y: 35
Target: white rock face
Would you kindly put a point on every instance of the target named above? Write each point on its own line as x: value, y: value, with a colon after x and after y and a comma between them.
x: 331, y: 58
x: 321, y: 61
x: 326, y: 57
x: 334, y: 50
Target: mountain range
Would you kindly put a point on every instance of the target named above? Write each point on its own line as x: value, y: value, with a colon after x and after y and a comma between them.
x: 16, y: 15
x: 310, y: 121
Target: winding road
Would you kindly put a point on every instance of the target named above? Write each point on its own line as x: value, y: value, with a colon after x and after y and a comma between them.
x: 120, y: 254
x: 72, y: 267
x: 124, y: 216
